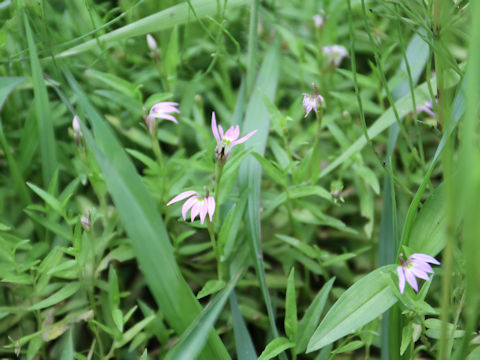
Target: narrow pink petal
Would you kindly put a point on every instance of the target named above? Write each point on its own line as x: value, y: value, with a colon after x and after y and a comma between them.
x: 214, y: 127
x: 423, y: 266
x: 203, y: 210
x: 168, y: 103
x: 220, y: 129
x: 167, y: 117
x: 230, y: 133
x: 181, y: 196
x: 187, y: 205
x: 211, y: 207
x: 236, y: 132
x: 243, y: 139
x: 411, y: 279
x: 419, y: 273
x: 401, y: 279
x: 195, y: 210
x: 425, y: 258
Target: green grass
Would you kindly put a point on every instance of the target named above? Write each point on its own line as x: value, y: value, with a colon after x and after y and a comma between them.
x: 312, y: 212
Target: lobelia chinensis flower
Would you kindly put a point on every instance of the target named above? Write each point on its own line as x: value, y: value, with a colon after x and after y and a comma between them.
x: 335, y: 54
x: 161, y: 110
x: 417, y: 265
x: 312, y: 102
x: 228, y: 139
x: 427, y: 108
x: 196, y: 204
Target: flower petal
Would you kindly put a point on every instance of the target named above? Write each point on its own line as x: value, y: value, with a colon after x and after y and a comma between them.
x: 243, y: 139
x: 211, y: 207
x: 425, y: 258
x: 423, y: 266
x: 230, y: 133
x: 401, y: 279
x: 419, y: 273
x: 220, y: 129
x: 182, y: 196
x: 166, y: 117
x: 188, y: 204
x: 195, y: 210
x: 214, y: 127
x: 203, y: 210
x: 411, y: 279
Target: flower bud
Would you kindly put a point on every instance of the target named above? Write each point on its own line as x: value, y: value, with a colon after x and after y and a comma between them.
x: 77, y: 130
x: 152, y: 44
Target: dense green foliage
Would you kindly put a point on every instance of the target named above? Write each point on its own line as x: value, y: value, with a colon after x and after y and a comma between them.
x: 313, y: 212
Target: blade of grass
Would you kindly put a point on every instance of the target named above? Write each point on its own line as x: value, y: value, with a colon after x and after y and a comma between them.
x: 144, y: 227
x: 194, y: 338
x: 257, y: 118
x: 42, y: 110
x: 243, y: 341
x: 165, y: 19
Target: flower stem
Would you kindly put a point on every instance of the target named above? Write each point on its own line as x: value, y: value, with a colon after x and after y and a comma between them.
x: 216, y: 250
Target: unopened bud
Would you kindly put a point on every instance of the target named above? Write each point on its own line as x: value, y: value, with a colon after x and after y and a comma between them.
x: 77, y: 130
x: 152, y: 44
x: 319, y: 20
x: 86, y: 222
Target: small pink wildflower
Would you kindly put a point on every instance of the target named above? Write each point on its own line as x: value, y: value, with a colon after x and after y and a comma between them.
x: 312, y: 102
x: 335, y: 54
x: 427, y: 108
x: 417, y: 265
x: 162, y: 110
x: 197, y: 204
x: 227, y: 140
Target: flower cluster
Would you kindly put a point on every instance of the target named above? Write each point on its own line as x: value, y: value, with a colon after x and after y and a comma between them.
x: 312, y: 102
x: 417, y: 265
x: 226, y: 141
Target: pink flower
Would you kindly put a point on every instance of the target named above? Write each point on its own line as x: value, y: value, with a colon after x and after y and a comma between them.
x: 311, y: 102
x: 427, y: 108
x: 335, y: 54
x: 227, y: 140
x: 197, y: 204
x: 162, y: 110
x: 417, y: 265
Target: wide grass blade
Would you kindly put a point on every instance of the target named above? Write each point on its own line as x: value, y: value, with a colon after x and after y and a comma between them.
x: 176, y: 15
x: 258, y: 118
x: 144, y: 227
x: 194, y: 338
x: 243, y: 341
x: 365, y: 300
x: 42, y: 110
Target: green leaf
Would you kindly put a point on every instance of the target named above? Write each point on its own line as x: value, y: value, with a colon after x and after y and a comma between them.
x: 7, y: 85
x: 291, y: 320
x: 368, y: 298
x: 272, y: 171
x: 43, y: 113
x: 211, y: 287
x: 133, y: 331
x: 62, y: 294
x: 175, y: 15
x: 49, y: 199
x: 113, y: 290
x: 312, y: 316
x: 276, y: 347
x: 117, y: 317
x: 193, y: 339
x: 118, y: 84
x: 243, y: 341
x: 351, y: 346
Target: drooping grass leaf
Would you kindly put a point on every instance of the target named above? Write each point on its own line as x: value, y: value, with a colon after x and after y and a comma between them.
x: 144, y: 226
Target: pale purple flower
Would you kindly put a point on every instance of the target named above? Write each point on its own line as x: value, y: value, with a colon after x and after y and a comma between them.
x: 319, y: 20
x: 162, y: 110
x: 335, y: 54
x: 417, y: 265
x: 228, y: 139
x: 427, y: 108
x: 196, y: 204
x: 312, y: 102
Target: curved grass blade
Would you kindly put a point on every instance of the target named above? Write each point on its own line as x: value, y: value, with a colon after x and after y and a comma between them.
x: 144, y: 227
x: 42, y: 111
x: 176, y: 15
x: 194, y: 338
x: 258, y: 118
x: 361, y: 303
